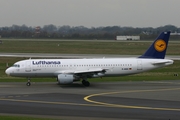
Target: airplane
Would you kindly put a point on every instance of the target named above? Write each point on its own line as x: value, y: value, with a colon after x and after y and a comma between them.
x: 68, y: 71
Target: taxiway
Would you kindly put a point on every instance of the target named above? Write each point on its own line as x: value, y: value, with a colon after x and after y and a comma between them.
x: 148, y: 100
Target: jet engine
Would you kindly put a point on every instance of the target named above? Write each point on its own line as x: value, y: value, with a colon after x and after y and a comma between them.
x: 65, y: 78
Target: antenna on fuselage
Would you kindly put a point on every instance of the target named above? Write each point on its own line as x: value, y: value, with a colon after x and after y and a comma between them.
x: 7, y: 65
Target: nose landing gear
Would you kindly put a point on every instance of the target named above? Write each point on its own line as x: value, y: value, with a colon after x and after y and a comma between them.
x: 29, y: 82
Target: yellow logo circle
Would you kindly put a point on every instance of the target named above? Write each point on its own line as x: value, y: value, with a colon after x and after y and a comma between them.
x: 160, y: 45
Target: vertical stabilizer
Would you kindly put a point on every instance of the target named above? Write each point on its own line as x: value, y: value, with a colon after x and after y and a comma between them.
x: 158, y: 49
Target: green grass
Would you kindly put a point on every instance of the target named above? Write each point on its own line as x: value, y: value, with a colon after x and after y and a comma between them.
x: 82, y: 47
x: 21, y: 118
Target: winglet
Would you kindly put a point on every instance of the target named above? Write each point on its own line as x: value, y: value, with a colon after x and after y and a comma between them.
x: 158, y: 49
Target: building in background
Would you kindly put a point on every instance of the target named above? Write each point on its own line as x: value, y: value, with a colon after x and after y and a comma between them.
x: 175, y: 33
x: 127, y: 37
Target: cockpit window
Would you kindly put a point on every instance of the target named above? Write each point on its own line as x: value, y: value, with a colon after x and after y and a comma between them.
x: 16, y: 65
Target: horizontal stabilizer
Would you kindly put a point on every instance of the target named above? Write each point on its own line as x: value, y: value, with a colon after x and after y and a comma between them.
x: 162, y: 62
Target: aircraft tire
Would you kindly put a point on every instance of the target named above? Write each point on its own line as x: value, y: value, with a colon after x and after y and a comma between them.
x: 28, y: 84
x: 85, y: 83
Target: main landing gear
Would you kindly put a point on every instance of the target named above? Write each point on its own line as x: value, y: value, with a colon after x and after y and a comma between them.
x: 85, y: 83
x: 29, y: 82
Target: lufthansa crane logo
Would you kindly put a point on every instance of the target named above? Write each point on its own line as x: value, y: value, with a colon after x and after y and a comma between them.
x: 160, y: 45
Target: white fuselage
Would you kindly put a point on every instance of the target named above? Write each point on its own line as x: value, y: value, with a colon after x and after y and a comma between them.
x: 113, y: 66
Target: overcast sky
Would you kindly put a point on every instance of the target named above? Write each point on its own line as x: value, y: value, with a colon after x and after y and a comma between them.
x: 90, y: 13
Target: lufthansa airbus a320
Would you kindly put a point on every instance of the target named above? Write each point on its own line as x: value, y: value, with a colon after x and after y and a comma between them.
x: 68, y: 71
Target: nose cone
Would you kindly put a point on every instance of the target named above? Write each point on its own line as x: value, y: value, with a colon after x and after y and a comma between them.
x: 8, y: 71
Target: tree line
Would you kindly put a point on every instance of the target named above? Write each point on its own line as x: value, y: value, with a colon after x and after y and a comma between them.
x: 81, y: 32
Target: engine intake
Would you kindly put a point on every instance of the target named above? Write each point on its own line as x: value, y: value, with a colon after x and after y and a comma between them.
x: 65, y: 78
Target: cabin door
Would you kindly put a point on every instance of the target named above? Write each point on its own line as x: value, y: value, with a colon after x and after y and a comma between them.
x: 139, y: 65
x: 28, y: 66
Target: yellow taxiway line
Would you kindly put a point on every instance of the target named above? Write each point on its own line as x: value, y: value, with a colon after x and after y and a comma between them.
x: 87, y: 98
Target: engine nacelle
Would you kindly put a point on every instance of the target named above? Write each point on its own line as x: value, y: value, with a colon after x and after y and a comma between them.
x: 65, y: 78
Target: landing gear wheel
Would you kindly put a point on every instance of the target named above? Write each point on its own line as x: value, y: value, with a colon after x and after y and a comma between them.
x: 85, y: 83
x: 28, y: 84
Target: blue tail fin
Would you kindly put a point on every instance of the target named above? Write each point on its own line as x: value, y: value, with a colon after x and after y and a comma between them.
x: 158, y: 48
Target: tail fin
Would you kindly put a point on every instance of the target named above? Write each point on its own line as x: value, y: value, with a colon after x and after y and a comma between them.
x: 158, y: 48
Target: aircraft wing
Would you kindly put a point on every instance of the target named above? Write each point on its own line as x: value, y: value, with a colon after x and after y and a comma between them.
x: 94, y: 70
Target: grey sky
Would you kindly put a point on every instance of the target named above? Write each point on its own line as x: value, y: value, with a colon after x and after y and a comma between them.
x: 90, y: 13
